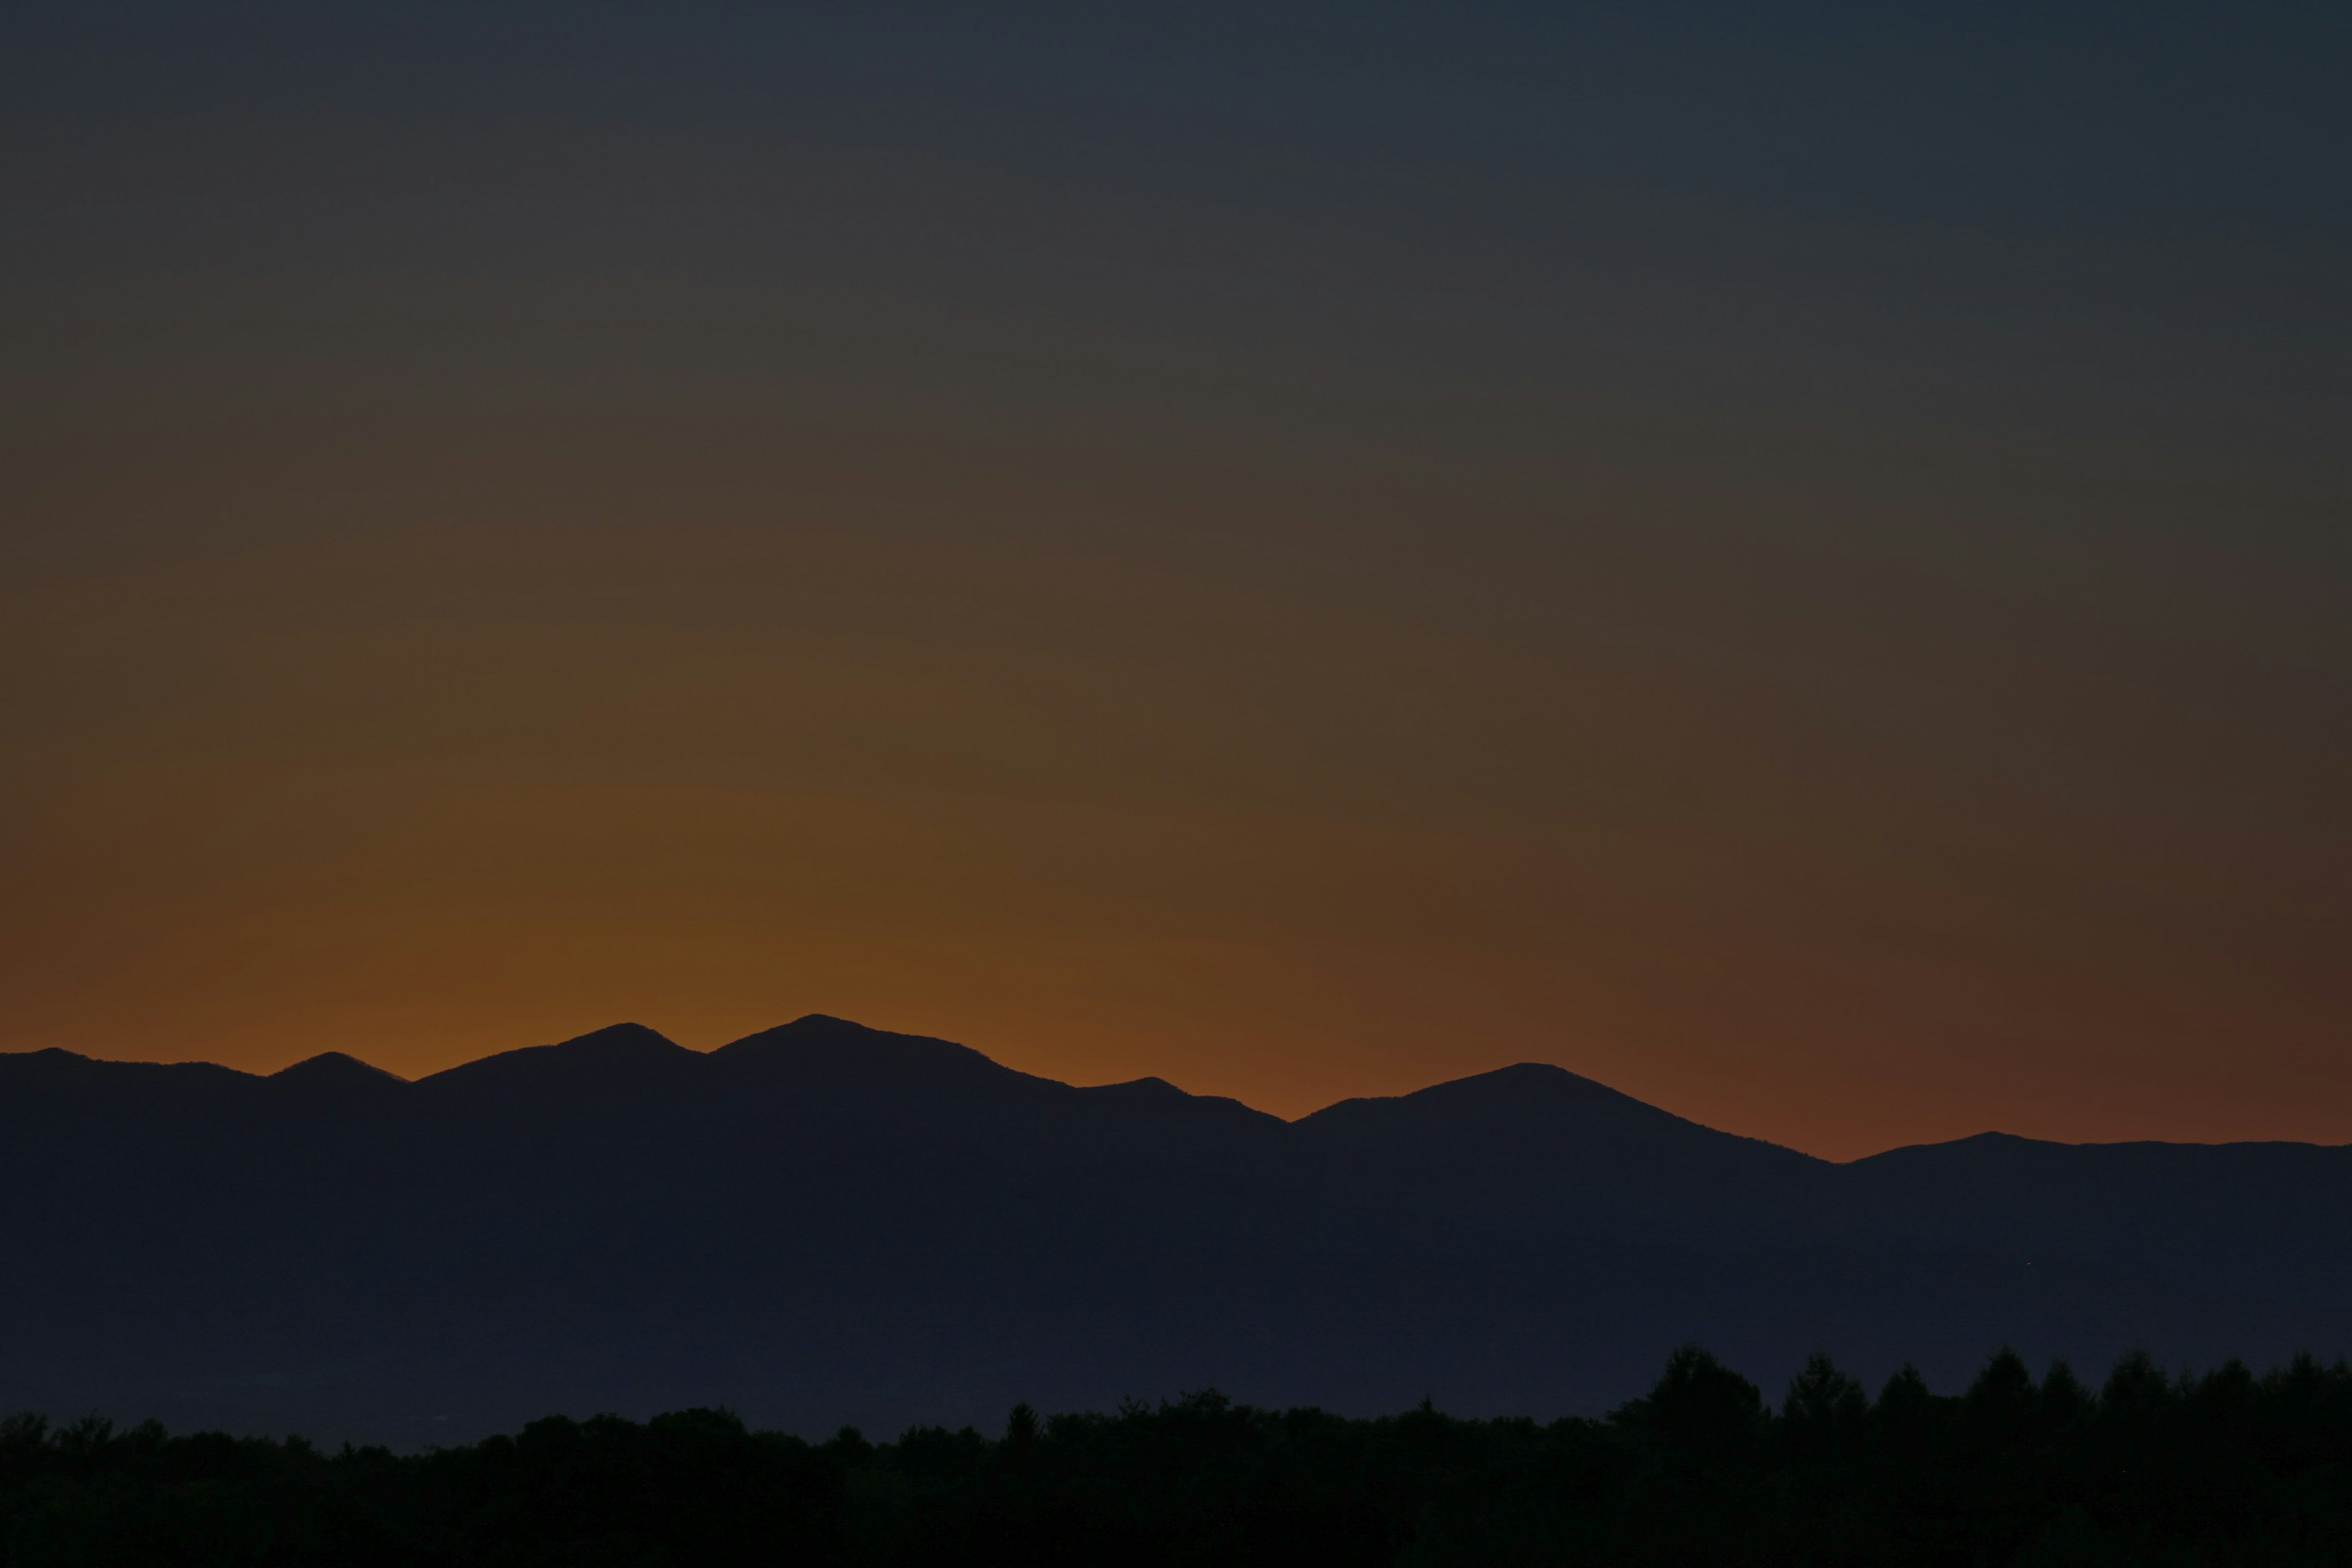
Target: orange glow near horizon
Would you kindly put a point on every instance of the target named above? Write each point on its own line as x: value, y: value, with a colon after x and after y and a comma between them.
x: 423, y: 741
x: 1795, y: 570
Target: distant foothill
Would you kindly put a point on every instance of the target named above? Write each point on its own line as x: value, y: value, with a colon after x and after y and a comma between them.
x: 825, y: 1224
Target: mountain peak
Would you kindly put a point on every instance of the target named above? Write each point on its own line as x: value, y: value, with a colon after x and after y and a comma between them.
x: 620, y: 1056
x: 819, y: 1046
x: 1533, y: 1109
x: 618, y: 1040
x: 48, y: 1058
x: 334, y: 1067
x: 1519, y: 1090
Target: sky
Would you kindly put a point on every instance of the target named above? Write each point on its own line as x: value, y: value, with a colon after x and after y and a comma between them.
x: 1792, y: 560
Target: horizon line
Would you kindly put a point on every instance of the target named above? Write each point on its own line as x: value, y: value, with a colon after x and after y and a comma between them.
x: 1152, y: 1077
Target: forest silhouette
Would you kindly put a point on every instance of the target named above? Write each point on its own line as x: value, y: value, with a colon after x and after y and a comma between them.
x: 2223, y: 1467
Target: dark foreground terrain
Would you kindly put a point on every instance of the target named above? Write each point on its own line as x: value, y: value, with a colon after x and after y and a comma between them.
x: 2221, y: 1467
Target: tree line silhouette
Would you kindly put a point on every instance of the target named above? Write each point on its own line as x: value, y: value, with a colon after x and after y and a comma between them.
x: 2225, y: 1467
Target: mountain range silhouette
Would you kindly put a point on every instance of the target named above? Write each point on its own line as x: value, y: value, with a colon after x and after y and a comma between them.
x: 824, y: 1223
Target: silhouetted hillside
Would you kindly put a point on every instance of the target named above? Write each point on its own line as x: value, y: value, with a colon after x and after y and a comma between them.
x: 824, y: 1222
x: 1532, y: 1145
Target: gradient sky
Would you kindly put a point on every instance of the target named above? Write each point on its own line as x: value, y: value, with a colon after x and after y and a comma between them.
x: 1793, y: 560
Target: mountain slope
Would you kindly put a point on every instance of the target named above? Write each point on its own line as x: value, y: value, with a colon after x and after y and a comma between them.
x: 824, y: 1223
